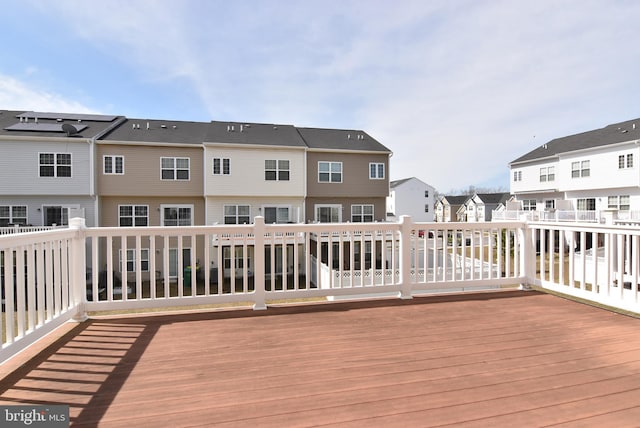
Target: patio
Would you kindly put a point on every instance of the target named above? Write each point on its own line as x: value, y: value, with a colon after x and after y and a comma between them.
x: 501, y: 358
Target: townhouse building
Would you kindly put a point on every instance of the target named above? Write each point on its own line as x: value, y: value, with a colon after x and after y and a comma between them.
x: 47, y: 165
x: 347, y: 176
x: 411, y: 196
x: 586, y: 173
x: 479, y: 207
x: 447, y: 208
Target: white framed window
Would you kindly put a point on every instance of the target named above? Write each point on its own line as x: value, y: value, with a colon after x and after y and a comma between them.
x: 133, y: 215
x: 174, y: 168
x: 621, y: 202
x: 177, y: 215
x: 13, y: 214
x: 328, y: 213
x: 586, y: 204
x: 221, y: 166
x: 276, y: 170
x: 362, y: 213
x: 276, y: 214
x: 529, y: 205
x: 54, y: 164
x: 131, y: 259
x: 547, y: 174
x: 376, y: 171
x: 113, y: 164
x: 55, y: 215
x: 625, y: 161
x: 329, y: 172
x: 549, y: 204
x: 517, y: 175
x: 237, y: 214
x: 580, y: 169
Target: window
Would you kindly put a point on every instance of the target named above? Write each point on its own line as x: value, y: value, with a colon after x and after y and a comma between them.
x: 547, y: 174
x: 426, y: 208
x: 550, y: 204
x: 131, y: 259
x: 361, y: 213
x: 237, y: 214
x: 276, y: 215
x: 55, y: 164
x: 580, y: 169
x: 221, y: 166
x: 113, y: 164
x: 330, y: 172
x: 16, y: 214
x: 56, y: 215
x: 174, y: 168
x: 177, y: 215
x: 329, y: 213
x: 276, y: 170
x: 358, y: 253
x: 588, y: 204
x: 517, y: 175
x: 619, y: 202
x: 625, y: 161
x: 426, y: 193
x: 376, y: 171
x: 529, y: 205
x: 133, y: 215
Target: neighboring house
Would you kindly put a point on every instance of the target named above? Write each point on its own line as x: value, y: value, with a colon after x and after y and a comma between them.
x: 254, y: 169
x: 150, y: 173
x: 47, y: 166
x: 347, y: 176
x: 410, y: 196
x: 447, y: 208
x: 587, y: 172
x: 480, y: 206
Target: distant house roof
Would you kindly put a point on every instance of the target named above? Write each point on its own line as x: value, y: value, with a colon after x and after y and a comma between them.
x: 455, y: 199
x: 55, y: 125
x: 340, y: 139
x: 397, y: 183
x: 253, y: 133
x: 159, y: 131
x: 493, y: 198
x: 611, y: 134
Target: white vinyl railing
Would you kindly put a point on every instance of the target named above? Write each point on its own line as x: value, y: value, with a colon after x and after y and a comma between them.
x: 53, y: 276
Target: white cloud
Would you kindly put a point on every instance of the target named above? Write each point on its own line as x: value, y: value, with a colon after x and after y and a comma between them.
x: 19, y: 95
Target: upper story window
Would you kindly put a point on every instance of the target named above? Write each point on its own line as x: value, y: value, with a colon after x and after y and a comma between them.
x: 361, y: 213
x: 625, y: 161
x: 55, y: 164
x: 221, y: 166
x: 517, y: 175
x: 113, y: 164
x: 276, y: 170
x: 177, y: 215
x: 133, y: 215
x: 426, y: 193
x: 174, y: 168
x: 376, y: 171
x: 13, y: 214
x: 329, y: 172
x: 547, y: 174
x: 237, y: 214
x: 580, y: 169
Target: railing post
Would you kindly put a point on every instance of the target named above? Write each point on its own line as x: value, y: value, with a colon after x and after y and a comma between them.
x: 78, y: 260
x: 405, y: 257
x: 259, y: 260
x: 527, y: 255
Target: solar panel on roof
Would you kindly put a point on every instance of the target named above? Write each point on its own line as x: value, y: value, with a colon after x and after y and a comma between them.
x: 67, y: 116
x: 41, y: 127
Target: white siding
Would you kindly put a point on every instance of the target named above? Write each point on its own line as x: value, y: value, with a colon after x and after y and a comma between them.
x: 247, y: 172
x: 20, y: 162
x: 408, y: 198
x: 215, y: 207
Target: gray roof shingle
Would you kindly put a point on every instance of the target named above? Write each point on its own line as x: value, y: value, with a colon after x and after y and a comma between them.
x: 340, y: 139
x: 50, y: 124
x: 159, y: 131
x: 253, y: 133
x: 610, y: 134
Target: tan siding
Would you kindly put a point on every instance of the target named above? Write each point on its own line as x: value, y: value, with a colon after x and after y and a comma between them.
x: 215, y: 206
x: 379, y: 206
x: 142, y: 171
x: 355, y: 175
x: 109, y: 208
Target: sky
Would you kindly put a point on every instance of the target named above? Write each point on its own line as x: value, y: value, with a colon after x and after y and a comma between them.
x: 456, y: 89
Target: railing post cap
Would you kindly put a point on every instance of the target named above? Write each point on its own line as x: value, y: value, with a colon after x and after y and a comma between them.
x: 77, y: 223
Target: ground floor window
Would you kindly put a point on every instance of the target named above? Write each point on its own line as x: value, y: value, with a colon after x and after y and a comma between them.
x: 55, y: 215
x: 131, y: 259
x: 13, y: 214
x: 237, y: 214
x: 177, y: 215
x: 328, y: 213
x: 529, y: 205
x: 276, y: 214
x: 361, y: 213
x: 621, y: 202
x: 587, y: 204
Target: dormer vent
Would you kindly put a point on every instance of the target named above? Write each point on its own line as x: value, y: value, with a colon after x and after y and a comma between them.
x: 163, y: 126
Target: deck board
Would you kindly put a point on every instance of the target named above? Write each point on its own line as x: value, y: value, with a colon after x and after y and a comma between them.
x: 486, y: 359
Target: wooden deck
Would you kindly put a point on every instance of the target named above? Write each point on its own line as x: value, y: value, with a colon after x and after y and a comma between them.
x: 487, y: 359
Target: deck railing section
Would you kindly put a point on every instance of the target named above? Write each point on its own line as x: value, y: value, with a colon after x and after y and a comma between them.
x: 595, y: 262
x: 52, y: 276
